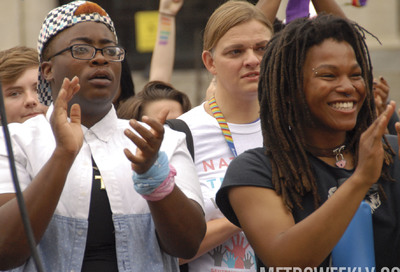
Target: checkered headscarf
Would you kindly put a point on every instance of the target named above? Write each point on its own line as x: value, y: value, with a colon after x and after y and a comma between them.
x: 56, y: 21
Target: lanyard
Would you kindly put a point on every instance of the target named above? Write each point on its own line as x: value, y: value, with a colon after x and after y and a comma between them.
x: 222, y: 124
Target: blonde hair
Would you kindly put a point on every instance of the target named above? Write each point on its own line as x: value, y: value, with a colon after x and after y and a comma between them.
x: 15, y: 61
x: 228, y: 15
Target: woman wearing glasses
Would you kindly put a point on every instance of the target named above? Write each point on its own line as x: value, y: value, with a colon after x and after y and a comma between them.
x: 87, y: 211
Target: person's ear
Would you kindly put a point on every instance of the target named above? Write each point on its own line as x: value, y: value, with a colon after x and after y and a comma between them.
x: 47, y: 71
x: 208, y: 61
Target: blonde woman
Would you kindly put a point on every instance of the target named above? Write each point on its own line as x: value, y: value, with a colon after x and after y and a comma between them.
x: 234, y: 43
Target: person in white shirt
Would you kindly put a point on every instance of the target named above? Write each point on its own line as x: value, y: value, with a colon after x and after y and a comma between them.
x: 88, y: 212
x: 235, y: 38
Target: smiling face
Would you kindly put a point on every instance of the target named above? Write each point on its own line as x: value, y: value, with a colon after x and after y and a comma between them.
x: 98, y: 77
x: 334, y: 89
x: 235, y: 60
x: 21, y: 97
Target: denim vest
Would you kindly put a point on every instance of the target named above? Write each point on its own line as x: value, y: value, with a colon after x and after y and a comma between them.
x: 63, y: 244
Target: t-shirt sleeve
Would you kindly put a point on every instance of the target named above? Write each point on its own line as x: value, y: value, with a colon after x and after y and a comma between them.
x: 174, y: 144
x: 20, y: 161
x: 251, y: 168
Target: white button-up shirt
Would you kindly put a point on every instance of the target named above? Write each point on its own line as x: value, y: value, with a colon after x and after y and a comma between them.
x: 63, y: 244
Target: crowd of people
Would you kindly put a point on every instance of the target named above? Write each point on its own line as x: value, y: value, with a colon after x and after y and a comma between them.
x: 294, y: 134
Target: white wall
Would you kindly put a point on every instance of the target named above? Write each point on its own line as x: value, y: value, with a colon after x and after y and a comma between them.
x: 21, y: 20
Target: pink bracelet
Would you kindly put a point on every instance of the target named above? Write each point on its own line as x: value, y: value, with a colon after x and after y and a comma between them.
x: 165, y: 188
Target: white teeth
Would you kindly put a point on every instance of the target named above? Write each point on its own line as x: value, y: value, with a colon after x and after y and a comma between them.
x: 343, y: 105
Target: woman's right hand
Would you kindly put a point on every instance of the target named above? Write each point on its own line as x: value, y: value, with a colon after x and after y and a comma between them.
x: 68, y: 133
x: 370, y: 157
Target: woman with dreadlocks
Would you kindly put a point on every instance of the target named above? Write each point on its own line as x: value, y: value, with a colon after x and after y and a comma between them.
x: 320, y: 131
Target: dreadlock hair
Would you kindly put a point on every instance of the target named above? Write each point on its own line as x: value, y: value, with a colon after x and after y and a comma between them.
x: 284, y: 110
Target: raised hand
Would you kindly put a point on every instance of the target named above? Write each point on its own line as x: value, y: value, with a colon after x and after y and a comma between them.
x: 148, y: 142
x: 68, y: 133
x: 170, y: 7
x: 370, y: 158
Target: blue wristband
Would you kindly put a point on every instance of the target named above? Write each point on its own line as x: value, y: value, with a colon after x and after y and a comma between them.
x: 147, y: 182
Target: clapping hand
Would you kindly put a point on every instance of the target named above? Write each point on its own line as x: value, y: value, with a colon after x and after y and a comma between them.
x: 148, y: 141
x: 370, y: 158
x: 68, y: 133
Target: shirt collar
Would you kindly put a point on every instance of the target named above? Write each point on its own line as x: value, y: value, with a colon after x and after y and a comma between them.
x: 103, y: 129
x: 106, y: 127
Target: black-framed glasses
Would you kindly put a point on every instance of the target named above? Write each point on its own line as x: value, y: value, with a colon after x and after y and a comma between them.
x: 87, y: 52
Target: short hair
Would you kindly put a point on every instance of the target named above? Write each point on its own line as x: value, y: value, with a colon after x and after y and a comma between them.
x: 133, y: 107
x: 15, y: 61
x: 227, y: 16
x: 284, y: 111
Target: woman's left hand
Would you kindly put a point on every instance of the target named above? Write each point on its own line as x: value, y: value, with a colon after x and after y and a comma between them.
x: 148, y: 143
x: 371, y: 153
